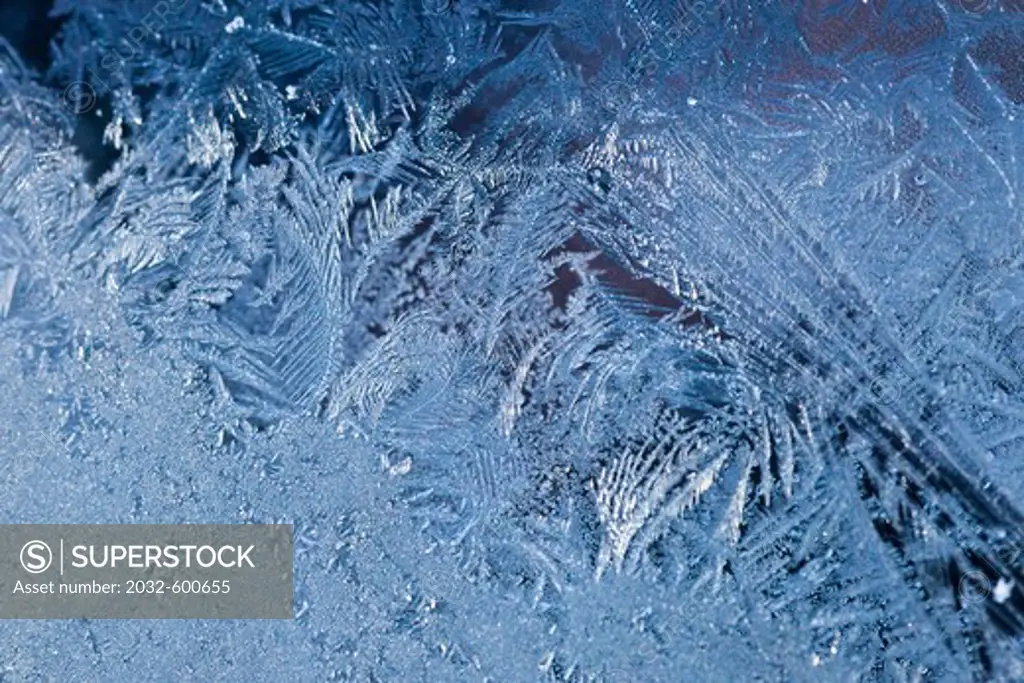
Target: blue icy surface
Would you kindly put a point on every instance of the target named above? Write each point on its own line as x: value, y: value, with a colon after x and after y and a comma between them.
x: 580, y: 341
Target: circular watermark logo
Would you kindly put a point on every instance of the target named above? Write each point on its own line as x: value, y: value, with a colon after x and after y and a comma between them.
x: 123, y: 641
x: 843, y: 147
x: 975, y: 6
x: 886, y: 392
x: 617, y: 96
x: 78, y: 97
x: 439, y: 6
x: 36, y: 557
x: 1009, y: 554
x: 974, y: 587
x: 949, y: 323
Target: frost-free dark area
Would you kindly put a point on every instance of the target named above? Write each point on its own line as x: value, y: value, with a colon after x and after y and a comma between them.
x: 615, y: 341
x: 28, y: 26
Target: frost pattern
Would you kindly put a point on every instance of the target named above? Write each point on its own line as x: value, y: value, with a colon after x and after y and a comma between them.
x: 615, y: 342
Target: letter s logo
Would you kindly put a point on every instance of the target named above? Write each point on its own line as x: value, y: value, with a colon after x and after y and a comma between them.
x: 36, y: 557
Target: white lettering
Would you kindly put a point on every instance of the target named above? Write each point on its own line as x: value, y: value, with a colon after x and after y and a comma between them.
x: 213, y: 556
x: 245, y: 556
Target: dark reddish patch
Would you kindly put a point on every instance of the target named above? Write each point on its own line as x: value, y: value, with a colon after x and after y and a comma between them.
x: 589, y: 61
x: 616, y: 277
x: 470, y: 119
x: 790, y: 67
x: 855, y: 27
x: 1003, y: 53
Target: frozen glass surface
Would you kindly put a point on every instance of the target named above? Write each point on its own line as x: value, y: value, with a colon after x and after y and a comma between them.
x: 580, y: 340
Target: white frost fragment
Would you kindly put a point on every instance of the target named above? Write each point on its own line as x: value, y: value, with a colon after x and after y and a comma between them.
x: 1001, y: 593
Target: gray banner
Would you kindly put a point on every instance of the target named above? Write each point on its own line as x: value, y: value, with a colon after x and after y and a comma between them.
x: 146, y: 571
